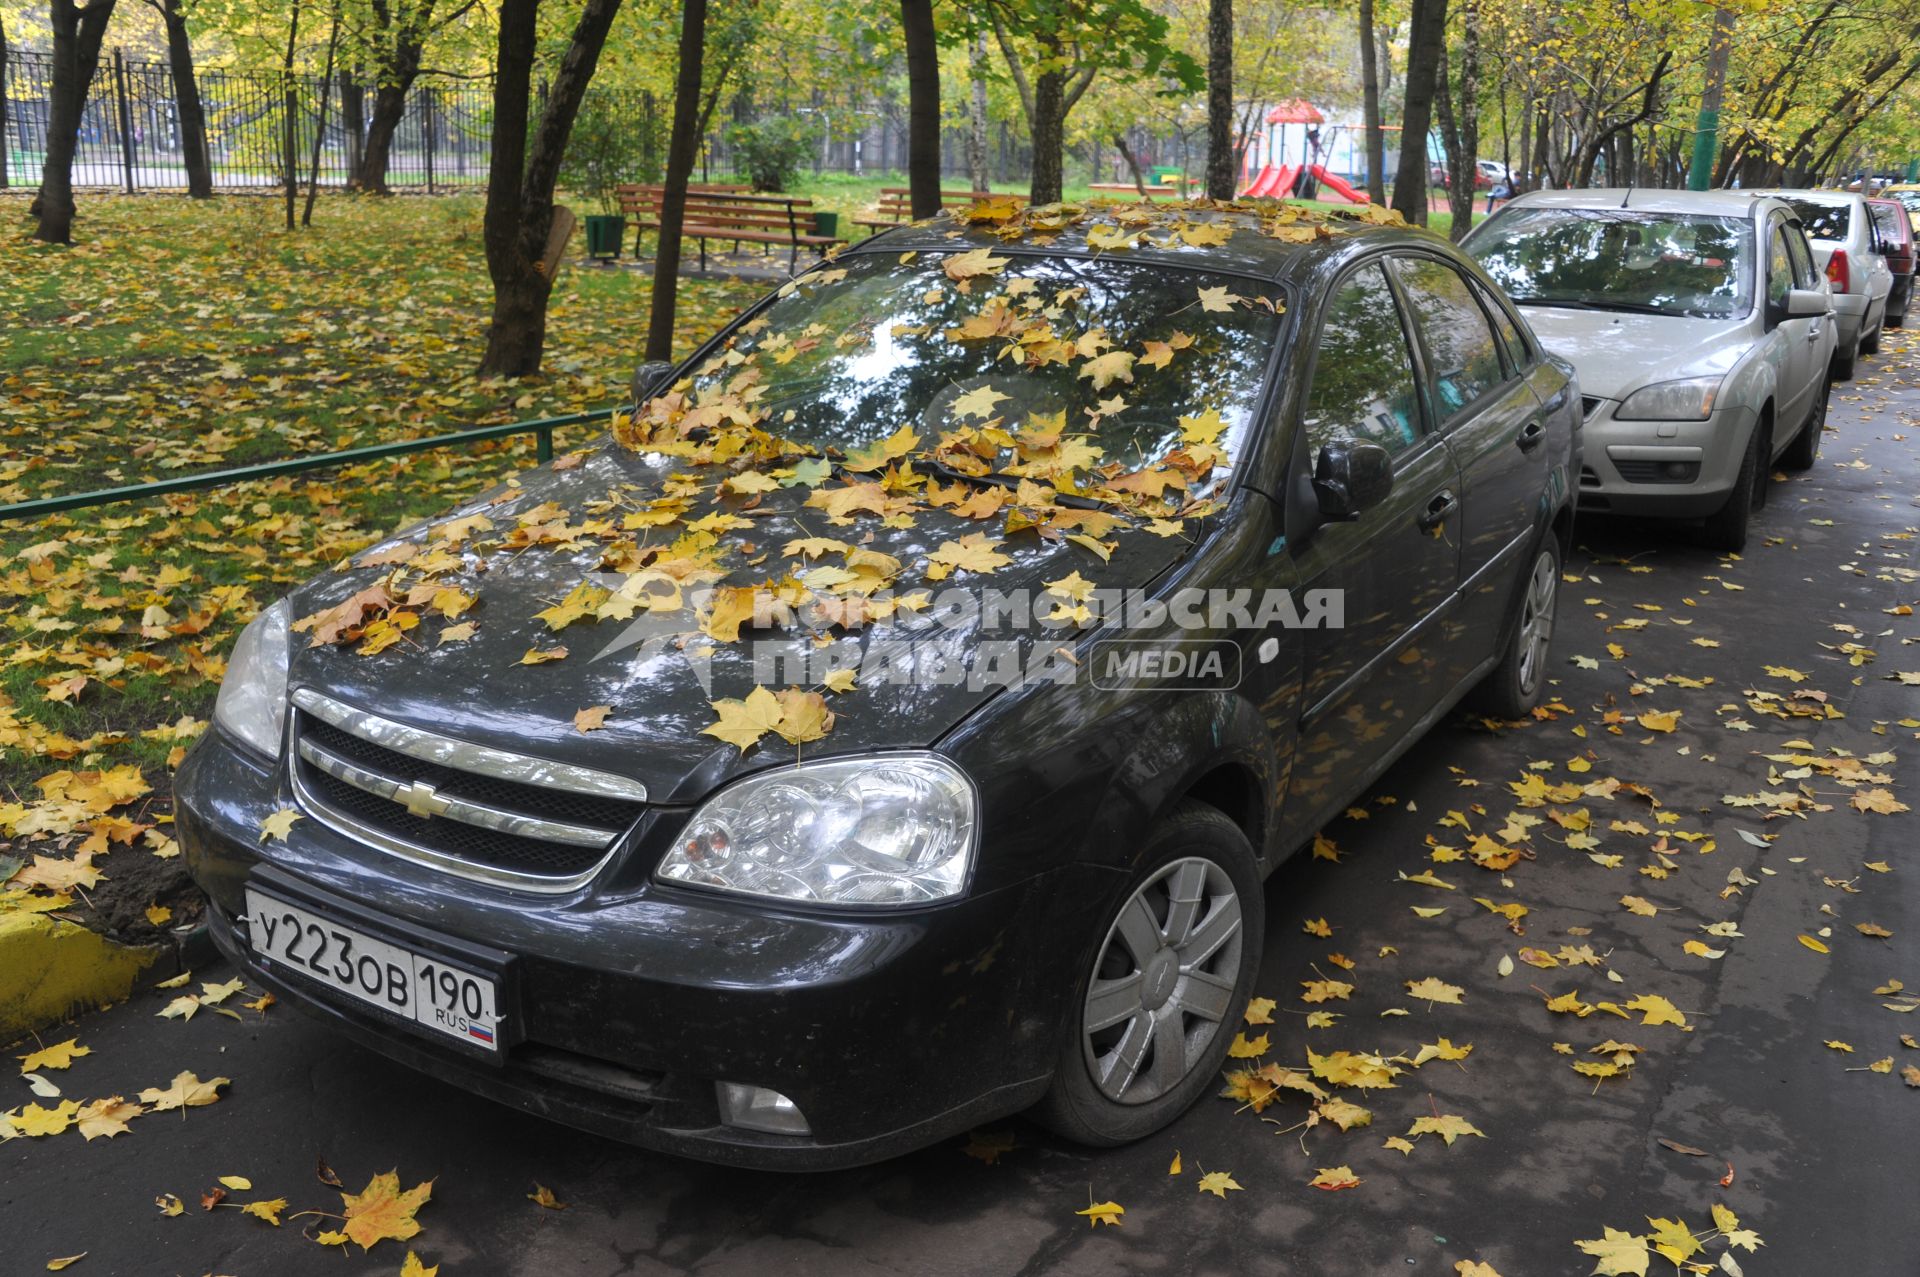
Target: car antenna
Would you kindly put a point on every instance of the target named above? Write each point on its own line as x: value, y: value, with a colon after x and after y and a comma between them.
x: 1626, y: 197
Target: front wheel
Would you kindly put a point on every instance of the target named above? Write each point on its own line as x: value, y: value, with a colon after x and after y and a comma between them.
x: 1726, y: 528
x: 1154, y: 1013
x: 1516, y: 683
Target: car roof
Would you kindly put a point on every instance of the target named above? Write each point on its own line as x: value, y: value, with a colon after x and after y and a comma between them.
x: 1314, y: 238
x: 1644, y: 199
x: 1818, y: 197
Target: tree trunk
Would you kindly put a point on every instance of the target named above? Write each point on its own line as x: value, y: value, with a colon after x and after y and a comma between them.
x: 1049, y: 126
x: 1133, y: 166
x: 77, y: 33
x: 1376, y: 149
x: 977, y: 118
x: 3, y: 106
x: 320, y: 127
x: 289, y: 105
x: 353, y: 121
x: 520, y: 182
x: 186, y: 102
x: 1220, y: 165
x: 1424, y: 46
x: 389, y: 105
x: 923, y: 107
x: 1460, y: 123
x: 681, y: 145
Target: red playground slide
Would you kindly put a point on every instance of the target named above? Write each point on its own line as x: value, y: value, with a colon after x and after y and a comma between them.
x: 1273, y: 182
x: 1336, y: 185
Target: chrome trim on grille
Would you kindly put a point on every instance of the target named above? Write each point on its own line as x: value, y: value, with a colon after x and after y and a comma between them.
x: 471, y: 870
x: 466, y: 756
x: 450, y: 808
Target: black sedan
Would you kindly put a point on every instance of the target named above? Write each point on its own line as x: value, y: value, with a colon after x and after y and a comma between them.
x: 889, y: 728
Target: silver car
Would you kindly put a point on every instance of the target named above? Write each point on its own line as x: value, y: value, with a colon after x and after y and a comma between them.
x: 1702, y: 330
x: 1848, y: 249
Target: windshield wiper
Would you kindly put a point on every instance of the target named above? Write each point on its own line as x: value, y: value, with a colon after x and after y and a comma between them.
x: 1582, y: 303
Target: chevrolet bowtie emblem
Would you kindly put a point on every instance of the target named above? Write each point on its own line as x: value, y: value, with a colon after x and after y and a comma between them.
x: 420, y: 800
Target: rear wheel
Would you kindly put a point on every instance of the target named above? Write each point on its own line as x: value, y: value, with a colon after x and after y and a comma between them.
x: 1871, y: 345
x: 1516, y: 683
x: 1805, y: 448
x: 1154, y: 1014
x: 1726, y: 529
x: 1843, y: 364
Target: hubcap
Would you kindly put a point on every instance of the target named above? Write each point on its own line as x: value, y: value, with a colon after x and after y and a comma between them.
x: 1163, y: 981
x: 1536, y: 621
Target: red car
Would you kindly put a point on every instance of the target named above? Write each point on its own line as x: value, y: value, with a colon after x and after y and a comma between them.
x: 1893, y: 231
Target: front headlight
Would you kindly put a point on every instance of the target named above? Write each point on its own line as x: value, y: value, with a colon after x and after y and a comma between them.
x: 893, y: 829
x: 1689, y: 400
x: 253, y: 696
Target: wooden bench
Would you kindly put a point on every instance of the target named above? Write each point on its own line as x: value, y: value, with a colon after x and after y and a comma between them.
x: 731, y: 215
x: 1128, y: 188
x: 896, y: 205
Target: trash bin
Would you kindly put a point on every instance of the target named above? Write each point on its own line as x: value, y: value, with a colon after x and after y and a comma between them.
x: 604, y: 233
x: 827, y: 224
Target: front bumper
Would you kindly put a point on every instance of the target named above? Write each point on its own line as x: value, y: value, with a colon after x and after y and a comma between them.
x: 624, y: 1008
x: 1626, y: 466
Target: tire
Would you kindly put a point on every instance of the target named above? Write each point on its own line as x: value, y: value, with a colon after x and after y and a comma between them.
x: 1194, y: 850
x: 1726, y: 528
x: 1805, y: 448
x: 1897, y: 319
x: 1842, y: 367
x: 1516, y: 684
x: 1871, y: 345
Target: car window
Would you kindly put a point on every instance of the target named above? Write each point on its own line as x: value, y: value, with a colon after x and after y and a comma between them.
x: 1463, y: 362
x: 1886, y: 222
x: 1517, y: 357
x: 1620, y: 259
x: 1805, y: 273
x: 1822, y: 220
x: 1363, y: 389
x: 1779, y: 266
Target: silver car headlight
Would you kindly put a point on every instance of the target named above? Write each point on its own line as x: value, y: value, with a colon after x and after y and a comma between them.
x: 252, y: 704
x: 889, y: 829
x: 1688, y: 400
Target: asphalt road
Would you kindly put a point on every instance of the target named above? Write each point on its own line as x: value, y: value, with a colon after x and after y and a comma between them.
x: 1824, y: 1161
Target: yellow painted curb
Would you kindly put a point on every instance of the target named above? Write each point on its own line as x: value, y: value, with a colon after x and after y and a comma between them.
x: 49, y: 969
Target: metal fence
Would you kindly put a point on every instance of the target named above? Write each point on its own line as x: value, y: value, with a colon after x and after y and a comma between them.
x: 130, y: 138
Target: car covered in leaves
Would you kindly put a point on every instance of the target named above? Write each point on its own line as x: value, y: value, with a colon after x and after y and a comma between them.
x: 889, y: 727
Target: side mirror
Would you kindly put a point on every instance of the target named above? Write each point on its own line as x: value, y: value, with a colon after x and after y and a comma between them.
x: 648, y: 377
x: 1804, y: 303
x: 1349, y: 478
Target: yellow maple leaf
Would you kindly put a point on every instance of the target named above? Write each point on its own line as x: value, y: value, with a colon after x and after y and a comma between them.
x: 1659, y: 720
x: 543, y: 1196
x: 977, y: 403
x: 1640, y: 905
x: 1103, y: 1213
x: 1115, y: 365
x: 1344, y: 1114
x: 1218, y: 299
x: 971, y: 553
x: 185, y: 1091
x: 1444, y: 1049
x: 540, y: 656
x: 1325, y: 990
x: 108, y: 1117
x: 1657, y: 1010
x: 1398, y: 1143
x: 1218, y: 1183
x: 591, y: 719
x: 804, y: 716
x: 1335, y: 1178
x: 413, y: 1267
x: 268, y: 1210
x: 1672, y: 1238
x: 1434, y: 990
x: 169, y: 1205
x: 580, y: 604
x: 58, y: 1056
x: 971, y: 265
x: 36, y: 1121
x: 279, y: 824
x: 1260, y: 1010
x: 1620, y: 1254
x: 743, y: 722
x: 1468, y: 1268
x: 1242, y: 1048
x: 1202, y: 429
x: 380, y: 1211
x: 1448, y: 1126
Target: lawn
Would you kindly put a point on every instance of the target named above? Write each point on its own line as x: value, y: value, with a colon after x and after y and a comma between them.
x: 176, y: 336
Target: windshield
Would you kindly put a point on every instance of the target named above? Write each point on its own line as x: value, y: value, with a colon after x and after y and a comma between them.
x: 1822, y: 220
x: 1615, y: 259
x: 1124, y: 363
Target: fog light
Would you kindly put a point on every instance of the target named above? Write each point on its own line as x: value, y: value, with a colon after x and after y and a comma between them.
x: 755, y: 1108
x: 1680, y: 471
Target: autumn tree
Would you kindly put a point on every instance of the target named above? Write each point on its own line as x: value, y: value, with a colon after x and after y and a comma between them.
x: 77, y: 32
x: 1425, y: 44
x: 1054, y: 49
x: 190, y: 111
x: 923, y: 106
x: 1220, y: 167
x: 519, y: 216
x: 393, y: 45
x: 681, y: 146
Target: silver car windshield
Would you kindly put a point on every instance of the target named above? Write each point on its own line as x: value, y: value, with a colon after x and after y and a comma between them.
x: 1620, y: 259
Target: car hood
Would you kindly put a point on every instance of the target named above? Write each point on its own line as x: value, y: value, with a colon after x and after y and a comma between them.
x: 1616, y: 353
x: 657, y: 672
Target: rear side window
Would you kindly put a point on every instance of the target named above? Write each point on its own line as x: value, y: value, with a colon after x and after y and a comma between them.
x: 1887, y: 219
x: 1823, y: 220
x: 1508, y: 330
x: 1779, y: 266
x: 1363, y: 389
x: 1463, y: 358
x: 1805, y: 273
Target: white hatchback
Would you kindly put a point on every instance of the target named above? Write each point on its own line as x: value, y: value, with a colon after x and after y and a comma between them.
x: 1702, y: 330
x: 1849, y: 251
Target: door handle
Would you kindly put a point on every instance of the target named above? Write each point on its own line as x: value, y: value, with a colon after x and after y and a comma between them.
x: 1813, y: 332
x: 1530, y: 436
x: 1443, y: 504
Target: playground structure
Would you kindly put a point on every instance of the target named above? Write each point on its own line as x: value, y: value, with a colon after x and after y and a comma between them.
x: 1291, y: 145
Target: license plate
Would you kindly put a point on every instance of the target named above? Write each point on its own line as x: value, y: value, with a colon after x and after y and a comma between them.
x: 426, y: 990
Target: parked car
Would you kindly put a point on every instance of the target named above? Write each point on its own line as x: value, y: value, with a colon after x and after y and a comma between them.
x: 1702, y: 332
x: 1846, y: 246
x: 1895, y: 230
x: 1486, y: 174
x: 968, y: 897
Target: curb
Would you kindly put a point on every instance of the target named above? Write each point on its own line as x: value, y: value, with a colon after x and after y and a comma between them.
x: 54, y: 968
